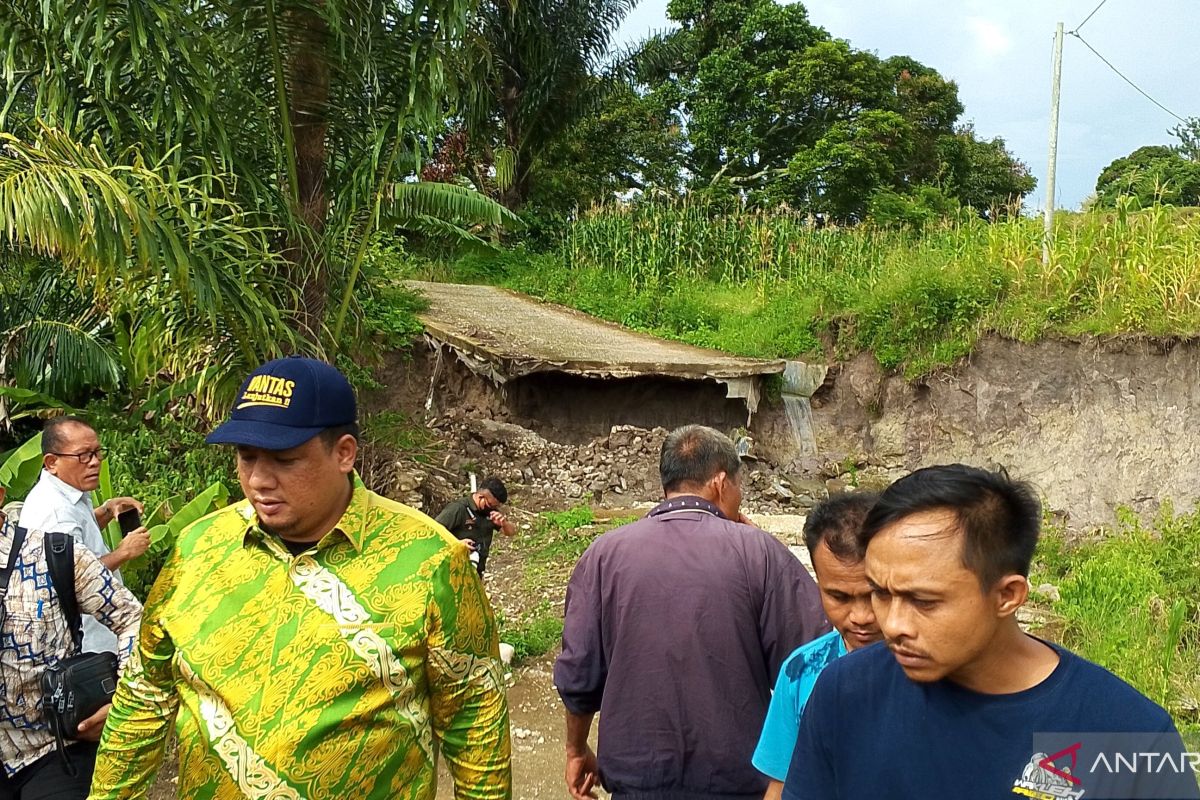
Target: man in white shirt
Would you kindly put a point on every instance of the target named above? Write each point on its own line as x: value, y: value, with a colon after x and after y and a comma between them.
x: 61, y: 501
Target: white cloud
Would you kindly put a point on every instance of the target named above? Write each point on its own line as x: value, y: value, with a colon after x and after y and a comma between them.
x: 990, y: 38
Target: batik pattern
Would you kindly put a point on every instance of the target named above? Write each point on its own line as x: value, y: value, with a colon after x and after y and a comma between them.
x: 340, y: 672
x: 35, y: 636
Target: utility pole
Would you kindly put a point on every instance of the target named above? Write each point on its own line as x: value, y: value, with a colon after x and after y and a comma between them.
x: 1052, y: 161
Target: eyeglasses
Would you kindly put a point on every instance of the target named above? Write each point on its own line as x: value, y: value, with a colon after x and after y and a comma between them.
x: 84, y: 458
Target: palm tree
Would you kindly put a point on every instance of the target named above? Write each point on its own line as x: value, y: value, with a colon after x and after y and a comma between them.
x: 260, y: 145
x: 53, y: 344
x: 530, y: 70
x: 151, y: 275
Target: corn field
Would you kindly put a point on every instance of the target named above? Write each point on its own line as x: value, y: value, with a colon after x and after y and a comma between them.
x: 1121, y: 271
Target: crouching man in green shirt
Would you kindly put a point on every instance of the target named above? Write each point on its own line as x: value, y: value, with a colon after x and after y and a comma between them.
x: 315, y: 640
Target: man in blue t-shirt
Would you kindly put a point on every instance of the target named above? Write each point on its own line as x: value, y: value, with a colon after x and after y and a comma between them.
x: 831, y: 534
x: 961, y: 702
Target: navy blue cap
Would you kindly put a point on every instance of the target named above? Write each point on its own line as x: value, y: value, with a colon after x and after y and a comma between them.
x: 286, y: 402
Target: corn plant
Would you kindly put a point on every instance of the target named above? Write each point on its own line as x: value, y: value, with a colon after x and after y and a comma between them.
x: 925, y: 296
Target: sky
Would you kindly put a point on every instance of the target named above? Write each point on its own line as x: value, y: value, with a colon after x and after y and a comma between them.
x: 999, y: 53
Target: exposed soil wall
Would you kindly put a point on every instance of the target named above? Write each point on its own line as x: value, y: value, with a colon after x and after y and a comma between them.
x: 565, y: 409
x: 573, y: 409
x: 557, y: 439
x: 1093, y: 424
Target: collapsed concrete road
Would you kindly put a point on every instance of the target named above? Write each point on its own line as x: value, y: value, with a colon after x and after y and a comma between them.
x: 1097, y: 425
x: 571, y: 377
x: 521, y: 335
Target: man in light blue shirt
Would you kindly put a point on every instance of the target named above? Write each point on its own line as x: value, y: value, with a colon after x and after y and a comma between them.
x: 831, y: 534
x: 62, y: 501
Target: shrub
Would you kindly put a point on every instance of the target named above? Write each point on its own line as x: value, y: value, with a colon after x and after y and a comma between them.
x: 1130, y: 601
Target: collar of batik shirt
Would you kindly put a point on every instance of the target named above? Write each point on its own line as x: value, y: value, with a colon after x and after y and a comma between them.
x: 351, y: 526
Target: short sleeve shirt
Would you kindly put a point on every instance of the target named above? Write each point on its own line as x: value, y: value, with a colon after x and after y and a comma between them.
x: 465, y: 521
x: 54, y: 505
x: 869, y: 731
x: 797, y: 677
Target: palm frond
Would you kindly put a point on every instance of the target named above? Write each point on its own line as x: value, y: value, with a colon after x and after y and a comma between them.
x: 146, y: 241
x: 457, y: 205
x: 60, y: 358
x: 150, y: 152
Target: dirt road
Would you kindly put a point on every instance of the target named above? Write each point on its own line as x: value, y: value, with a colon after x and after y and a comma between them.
x: 534, y: 707
x: 537, y: 727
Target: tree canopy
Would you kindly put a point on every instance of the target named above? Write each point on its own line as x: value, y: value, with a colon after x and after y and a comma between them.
x: 213, y: 170
x: 206, y: 171
x: 746, y: 98
x: 777, y: 110
x: 1156, y: 173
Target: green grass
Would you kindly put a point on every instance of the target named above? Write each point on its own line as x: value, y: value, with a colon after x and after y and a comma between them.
x: 767, y: 284
x: 1130, y: 601
x: 398, y: 433
x: 550, y: 549
x: 537, y: 633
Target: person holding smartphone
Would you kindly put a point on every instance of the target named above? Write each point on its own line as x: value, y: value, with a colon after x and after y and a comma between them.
x: 475, y: 519
x: 61, y: 501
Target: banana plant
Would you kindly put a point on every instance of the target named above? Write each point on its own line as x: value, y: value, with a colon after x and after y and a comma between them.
x: 17, y: 403
x: 164, y: 525
x: 112, y: 531
x: 20, y: 468
x: 170, y: 518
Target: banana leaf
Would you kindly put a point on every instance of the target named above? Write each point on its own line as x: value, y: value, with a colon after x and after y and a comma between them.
x: 166, y: 509
x: 211, y: 499
x: 17, y: 403
x: 112, y: 531
x: 20, y: 469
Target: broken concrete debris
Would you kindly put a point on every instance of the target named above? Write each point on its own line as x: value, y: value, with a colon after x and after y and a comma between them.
x: 619, y: 469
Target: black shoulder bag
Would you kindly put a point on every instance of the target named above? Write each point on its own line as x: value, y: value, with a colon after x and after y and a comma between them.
x: 78, y: 686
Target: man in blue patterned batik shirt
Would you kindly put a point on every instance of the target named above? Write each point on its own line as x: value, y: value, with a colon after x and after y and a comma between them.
x: 33, y: 636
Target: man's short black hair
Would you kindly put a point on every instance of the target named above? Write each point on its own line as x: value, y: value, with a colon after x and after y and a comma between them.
x: 54, y: 435
x: 330, y: 436
x: 693, y: 454
x: 838, y: 522
x: 999, y: 518
x: 496, y: 487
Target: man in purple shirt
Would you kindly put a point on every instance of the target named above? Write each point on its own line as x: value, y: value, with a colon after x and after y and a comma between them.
x: 675, y: 629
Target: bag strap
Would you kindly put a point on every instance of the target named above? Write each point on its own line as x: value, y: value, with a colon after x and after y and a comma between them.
x: 58, y: 554
x: 60, y: 563
x: 60, y: 559
x: 18, y: 540
x: 60, y: 745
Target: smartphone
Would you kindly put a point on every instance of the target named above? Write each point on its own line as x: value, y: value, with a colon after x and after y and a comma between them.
x: 129, y: 520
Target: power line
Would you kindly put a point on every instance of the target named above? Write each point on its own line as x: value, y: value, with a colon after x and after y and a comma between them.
x: 1121, y: 75
x: 1089, y: 16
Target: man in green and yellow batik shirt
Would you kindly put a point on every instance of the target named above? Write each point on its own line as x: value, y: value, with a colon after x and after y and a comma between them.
x: 316, y: 640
